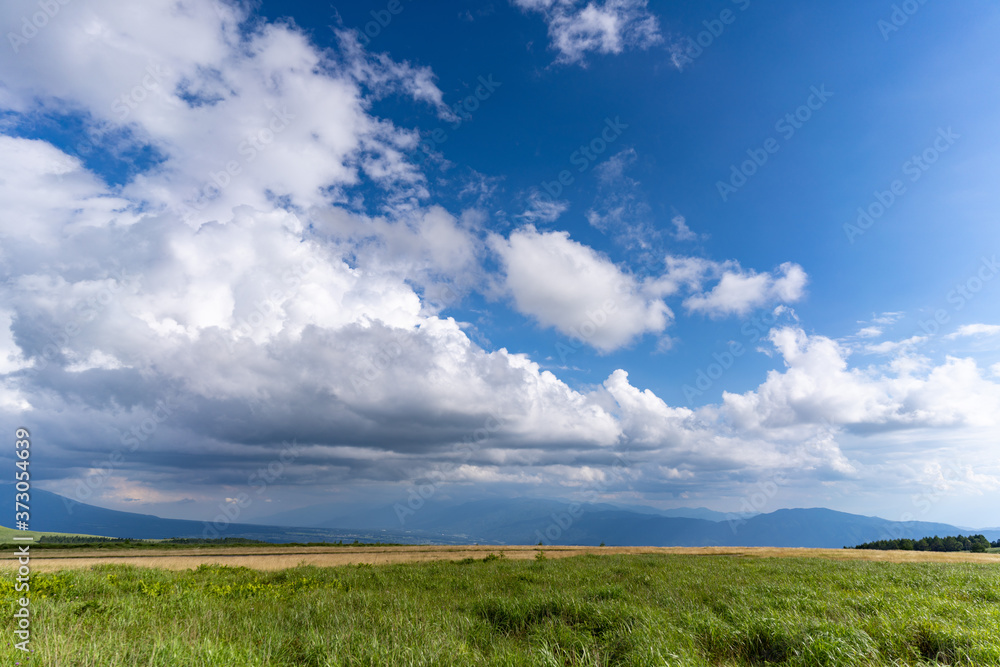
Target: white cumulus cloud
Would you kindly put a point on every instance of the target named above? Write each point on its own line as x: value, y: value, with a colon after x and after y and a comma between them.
x: 578, y: 27
x: 568, y: 286
x: 738, y: 292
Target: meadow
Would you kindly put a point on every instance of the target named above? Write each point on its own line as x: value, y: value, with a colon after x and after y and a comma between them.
x: 614, y: 609
x: 7, y: 535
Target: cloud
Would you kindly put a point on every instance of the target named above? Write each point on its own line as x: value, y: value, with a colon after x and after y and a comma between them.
x: 47, y: 193
x: 609, y: 27
x: 621, y: 211
x: 895, y: 346
x: 679, y: 57
x: 542, y: 209
x: 611, y: 172
x: 430, y: 248
x: 688, y: 273
x: 383, y: 76
x: 11, y: 357
x: 888, y: 317
x: 704, y: 441
x: 263, y: 333
x: 975, y: 330
x: 243, y: 113
x: 681, y: 230
x: 819, y: 387
x: 878, y: 325
x: 738, y: 292
x: 261, y: 309
x: 195, y: 315
x: 570, y: 287
x: 869, y: 332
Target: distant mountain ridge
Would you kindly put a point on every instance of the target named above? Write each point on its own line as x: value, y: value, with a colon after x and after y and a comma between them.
x: 506, y: 521
x: 385, y: 516
x: 51, y: 512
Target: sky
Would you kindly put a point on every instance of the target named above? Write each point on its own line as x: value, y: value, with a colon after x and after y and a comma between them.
x: 727, y: 254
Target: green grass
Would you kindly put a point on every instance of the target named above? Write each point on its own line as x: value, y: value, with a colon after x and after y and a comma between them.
x: 587, y: 610
x: 7, y: 535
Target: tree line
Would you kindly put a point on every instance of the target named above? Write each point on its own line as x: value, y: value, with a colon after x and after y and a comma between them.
x: 974, y: 543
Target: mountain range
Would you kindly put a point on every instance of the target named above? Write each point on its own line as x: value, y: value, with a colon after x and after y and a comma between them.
x: 502, y: 521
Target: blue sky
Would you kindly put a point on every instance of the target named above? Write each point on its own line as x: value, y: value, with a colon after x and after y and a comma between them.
x: 241, y: 196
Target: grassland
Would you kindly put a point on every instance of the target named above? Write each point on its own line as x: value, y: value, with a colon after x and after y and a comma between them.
x: 7, y: 534
x: 610, y: 609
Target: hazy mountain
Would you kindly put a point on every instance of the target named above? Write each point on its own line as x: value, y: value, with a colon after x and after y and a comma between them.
x: 51, y: 512
x: 528, y: 520
x: 434, y: 511
x: 783, y: 528
x: 504, y: 521
x: 703, y: 513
